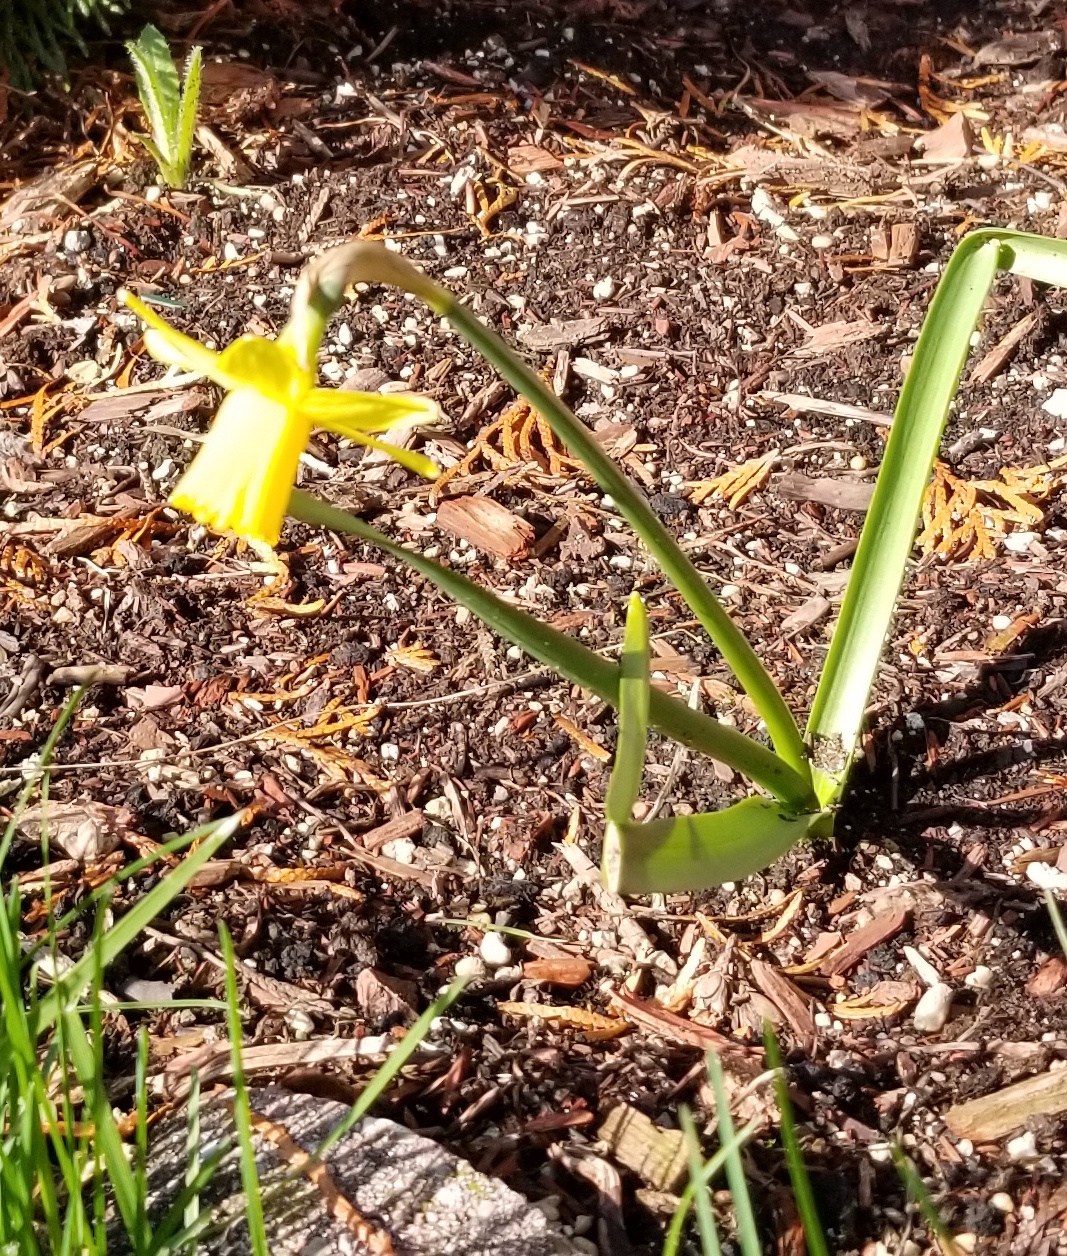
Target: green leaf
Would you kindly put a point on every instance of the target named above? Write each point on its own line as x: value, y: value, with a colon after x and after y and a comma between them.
x: 187, y: 111
x: 709, y: 1235
x: 682, y: 854
x: 625, y: 783
x: 158, y: 89
x: 889, y: 530
x: 575, y: 661
x: 747, y: 1231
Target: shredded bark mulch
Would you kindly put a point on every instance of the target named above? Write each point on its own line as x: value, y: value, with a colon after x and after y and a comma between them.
x: 717, y: 228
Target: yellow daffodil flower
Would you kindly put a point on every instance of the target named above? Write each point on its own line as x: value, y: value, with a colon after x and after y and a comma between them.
x: 241, y: 479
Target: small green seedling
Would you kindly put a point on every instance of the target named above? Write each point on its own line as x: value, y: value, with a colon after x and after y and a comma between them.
x: 169, y: 104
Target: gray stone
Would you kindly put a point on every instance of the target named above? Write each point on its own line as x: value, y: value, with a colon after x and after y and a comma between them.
x: 428, y: 1201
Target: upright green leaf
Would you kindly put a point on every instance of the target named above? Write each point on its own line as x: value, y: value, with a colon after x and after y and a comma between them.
x: 158, y: 88
x: 190, y: 104
x: 625, y: 783
x: 889, y: 530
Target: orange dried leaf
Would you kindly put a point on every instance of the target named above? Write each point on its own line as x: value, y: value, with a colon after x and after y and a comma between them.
x: 569, y: 1017
x: 584, y: 740
x: 415, y: 657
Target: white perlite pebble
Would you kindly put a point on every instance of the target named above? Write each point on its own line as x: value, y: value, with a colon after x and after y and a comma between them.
x: 471, y: 966
x: 604, y: 289
x: 1002, y: 1202
x: 1022, y: 1148
x: 494, y: 950
x: 932, y: 1010
x: 1056, y: 404
x: 980, y: 979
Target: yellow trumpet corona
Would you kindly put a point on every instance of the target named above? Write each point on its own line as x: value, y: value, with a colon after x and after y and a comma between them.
x: 241, y: 479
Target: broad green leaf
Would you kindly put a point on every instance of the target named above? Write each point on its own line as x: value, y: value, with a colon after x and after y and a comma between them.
x: 889, y: 530
x: 682, y: 854
x: 158, y: 88
x: 625, y: 783
x: 187, y: 112
x: 576, y: 662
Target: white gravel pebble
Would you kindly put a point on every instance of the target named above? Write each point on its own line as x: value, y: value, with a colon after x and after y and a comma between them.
x: 1056, y: 403
x: 494, y: 950
x: 1002, y: 1202
x: 472, y: 966
x: 980, y: 979
x: 932, y: 1010
x: 604, y: 289
x: 1022, y: 1148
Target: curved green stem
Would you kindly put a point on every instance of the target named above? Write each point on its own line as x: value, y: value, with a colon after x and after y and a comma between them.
x: 674, y: 563
x: 578, y: 663
x: 321, y: 289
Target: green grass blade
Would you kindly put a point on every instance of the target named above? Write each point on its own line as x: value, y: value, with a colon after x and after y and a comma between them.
x: 187, y: 111
x: 1056, y: 917
x: 127, y: 927
x: 814, y: 1235
x: 916, y: 1188
x: 889, y: 531
x: 709, y: 1235
x: 158, y: 88
x: 242, y: 1108
x: 575, y: 662
x: 625, y: 784
x: 682, y: 854
x: 747, y: 1231
x: 707, y: 1174
x: 379, y: 1083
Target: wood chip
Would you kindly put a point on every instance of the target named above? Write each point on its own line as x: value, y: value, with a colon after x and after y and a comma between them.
x: 873, y: 934
x: 841, y: 494
x: 656, y: 1155
x: 806, y: 616
x: 952, y: 141
x: 788, y: 1000
x: 657, y: 1020
x: 993, y: 1116
x: 566, y: 972
x: 834, y: 409
x: 487, y: 525
x: 524, y: 159
x: 571, y: 1017
x: 407, y: 825
x: 551, y: 336
x: 1049, y: 978
x: 1000, y: 355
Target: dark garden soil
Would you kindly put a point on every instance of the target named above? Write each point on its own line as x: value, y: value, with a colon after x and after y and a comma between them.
x: 714, y: 225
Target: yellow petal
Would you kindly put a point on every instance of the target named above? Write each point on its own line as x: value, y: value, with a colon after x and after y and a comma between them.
x: 241, y: 479
x: 172, y: 347
x: 349, y: 413
x: 266, y: 365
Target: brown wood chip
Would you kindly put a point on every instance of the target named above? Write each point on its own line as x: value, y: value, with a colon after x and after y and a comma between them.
x: 576, y: 331
x: 657, y: 1020
x: 787, y: 999
x: 993, y: 1116
x: 841, y: 494
x: 487, y: 525
x: 873, y: 934
x: 655, y: 1154
x: 407, y: 825
x: 570, y: 972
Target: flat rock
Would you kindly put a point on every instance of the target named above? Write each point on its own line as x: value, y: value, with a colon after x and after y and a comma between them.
x: 386, y: 1185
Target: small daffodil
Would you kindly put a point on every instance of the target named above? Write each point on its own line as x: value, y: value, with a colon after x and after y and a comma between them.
x: 241, y: 479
